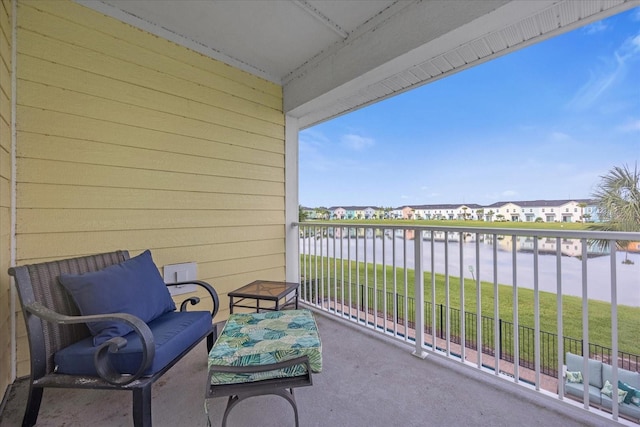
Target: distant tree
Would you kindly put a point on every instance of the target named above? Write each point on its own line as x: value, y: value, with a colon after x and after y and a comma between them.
x: 322, y: 212
x: 539, y: 219
x: 480, y: 214
x: 302, y: 214
x: 618, y: 200
x: 490, y: 214
x: 499, y: 217
x: 464, y: 213
x: 582, y: 205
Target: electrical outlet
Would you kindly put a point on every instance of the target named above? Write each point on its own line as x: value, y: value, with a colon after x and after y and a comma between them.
x: 174, y: 273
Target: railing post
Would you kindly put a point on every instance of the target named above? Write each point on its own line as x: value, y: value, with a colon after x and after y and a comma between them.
x: 442, y: 328
x: 418, y: 286
x: 500, y: 338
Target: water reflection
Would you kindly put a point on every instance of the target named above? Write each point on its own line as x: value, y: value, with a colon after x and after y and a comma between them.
x: 389, y: 247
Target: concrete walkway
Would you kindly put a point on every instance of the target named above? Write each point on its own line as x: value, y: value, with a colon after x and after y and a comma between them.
x: 367, y: 380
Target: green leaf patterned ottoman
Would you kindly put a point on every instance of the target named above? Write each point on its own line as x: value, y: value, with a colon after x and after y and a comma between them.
x: 257, y: 339
x: 264, y: 353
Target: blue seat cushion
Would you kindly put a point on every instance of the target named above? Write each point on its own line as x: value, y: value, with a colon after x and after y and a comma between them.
x: 133, y: 286
x: 173, y: 333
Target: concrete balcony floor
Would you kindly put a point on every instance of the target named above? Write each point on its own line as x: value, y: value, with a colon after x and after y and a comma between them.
x: 367, y: 380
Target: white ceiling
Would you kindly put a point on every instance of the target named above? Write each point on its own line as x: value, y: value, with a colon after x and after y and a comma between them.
x: 334, y: 56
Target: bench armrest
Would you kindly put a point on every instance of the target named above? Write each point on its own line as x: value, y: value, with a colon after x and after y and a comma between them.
x: 195, y: 300
x: 101, y: 356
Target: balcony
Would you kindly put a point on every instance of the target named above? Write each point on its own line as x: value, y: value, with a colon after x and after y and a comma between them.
x: 368, y: 324
x: 367, y: 380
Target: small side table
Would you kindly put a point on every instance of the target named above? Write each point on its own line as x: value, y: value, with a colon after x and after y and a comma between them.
x: 264, y: 290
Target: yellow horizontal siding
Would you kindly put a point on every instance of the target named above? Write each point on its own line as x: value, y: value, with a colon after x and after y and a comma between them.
x: 5, y: 66
x: 80, y: 197
x: 115, y: 43
x: 219, y: 251
x: 50, y: 98
x: 219, y: 146
x: 5, y: 134
x: 41, y: 48
x: 168, y: 48
x: 65, y: 77
x: 139, y: 160
x: 36, y: 247
x: 68, y: 173
x: 220, y: 269
x: 6, y: 315
x: 5, y: 160
x: 5, y: 37
x: 143, y: 219
x: 5, y: 106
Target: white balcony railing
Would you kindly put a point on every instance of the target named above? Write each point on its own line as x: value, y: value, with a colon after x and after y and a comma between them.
x: 405, y: 282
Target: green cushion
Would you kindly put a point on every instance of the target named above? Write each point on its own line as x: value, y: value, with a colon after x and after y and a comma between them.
x: 256, y: 339
x: 633, y: 394
x: 574, y: 363
x: 607, y: 390
x: 574, y: 377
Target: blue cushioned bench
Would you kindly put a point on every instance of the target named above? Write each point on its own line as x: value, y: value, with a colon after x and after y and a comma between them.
x: 264, y: 353
x: 106, y: 321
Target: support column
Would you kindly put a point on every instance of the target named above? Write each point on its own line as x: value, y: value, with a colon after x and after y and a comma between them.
x: 292, y: 256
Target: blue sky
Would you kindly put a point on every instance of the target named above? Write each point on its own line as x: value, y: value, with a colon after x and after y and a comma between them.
x: 544, y: 122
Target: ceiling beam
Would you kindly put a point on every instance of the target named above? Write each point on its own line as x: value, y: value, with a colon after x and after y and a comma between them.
x: 315, y: 13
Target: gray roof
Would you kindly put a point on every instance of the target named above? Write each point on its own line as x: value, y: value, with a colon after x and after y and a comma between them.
x: 521, y: 203
x: 447, y: 206
x: 353, y: 208
x: 541, y: 203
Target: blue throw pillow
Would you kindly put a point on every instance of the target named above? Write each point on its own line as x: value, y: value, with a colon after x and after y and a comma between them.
x: 133, y: 286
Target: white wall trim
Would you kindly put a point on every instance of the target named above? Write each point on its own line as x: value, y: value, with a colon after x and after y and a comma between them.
x: 12, y: 250
x: 291, y: 199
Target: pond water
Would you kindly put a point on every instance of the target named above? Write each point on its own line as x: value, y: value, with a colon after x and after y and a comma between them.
x: 598, y: 272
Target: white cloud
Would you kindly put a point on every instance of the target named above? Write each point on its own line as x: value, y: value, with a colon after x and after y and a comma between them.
x: 356, y: 142
x: 311, y: 144
x: 630, y: 126
x: 594, y: 28
x: 612, y: 69
x: 560, y: 136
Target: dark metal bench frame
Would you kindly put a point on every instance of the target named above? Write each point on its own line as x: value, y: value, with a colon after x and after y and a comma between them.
x: 53, y: 322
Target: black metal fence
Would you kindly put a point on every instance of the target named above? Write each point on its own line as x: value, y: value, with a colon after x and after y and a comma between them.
x: 401, y: 309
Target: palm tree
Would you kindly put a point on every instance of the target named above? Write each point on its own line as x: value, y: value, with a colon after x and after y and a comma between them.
x: 618, y: 200
x: 490, y: 213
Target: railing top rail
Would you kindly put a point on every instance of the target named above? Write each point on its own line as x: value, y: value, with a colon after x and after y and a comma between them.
x: 538, y: 232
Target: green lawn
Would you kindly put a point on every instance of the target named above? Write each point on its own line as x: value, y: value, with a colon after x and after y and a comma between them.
x: 599, y: 312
